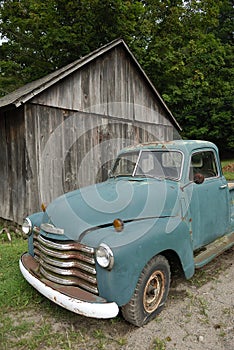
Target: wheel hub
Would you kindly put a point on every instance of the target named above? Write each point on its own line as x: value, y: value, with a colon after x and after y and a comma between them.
x: 153, y: 291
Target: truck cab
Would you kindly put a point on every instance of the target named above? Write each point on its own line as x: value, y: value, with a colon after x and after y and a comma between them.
x: 114, y: 245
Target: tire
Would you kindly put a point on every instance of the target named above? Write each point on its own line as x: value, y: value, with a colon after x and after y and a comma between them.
x: 150, y: 293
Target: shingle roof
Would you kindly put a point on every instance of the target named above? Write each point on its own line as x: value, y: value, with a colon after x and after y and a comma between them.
x: 28, y: 91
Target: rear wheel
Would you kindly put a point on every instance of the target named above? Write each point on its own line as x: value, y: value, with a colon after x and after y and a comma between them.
x: 150, y: 293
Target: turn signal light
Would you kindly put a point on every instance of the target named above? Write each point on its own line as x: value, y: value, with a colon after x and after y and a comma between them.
x: 43, y: 207
x: 118, y: 225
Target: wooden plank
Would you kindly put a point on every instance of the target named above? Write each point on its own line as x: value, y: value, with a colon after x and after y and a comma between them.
x: 13, y: 165
x: 110, y: 85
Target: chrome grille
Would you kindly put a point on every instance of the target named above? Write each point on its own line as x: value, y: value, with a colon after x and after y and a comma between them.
x: 67, y: 263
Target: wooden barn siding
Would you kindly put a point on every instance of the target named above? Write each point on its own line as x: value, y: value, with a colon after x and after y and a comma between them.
x: 111, y: 85
x: 109, y: 98
x: 12, y: 159
x: 68, y: 149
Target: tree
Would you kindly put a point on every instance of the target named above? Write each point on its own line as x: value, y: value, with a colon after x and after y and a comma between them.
x: 186, y: 48
x: 190, y: 60
x: 46, y: 35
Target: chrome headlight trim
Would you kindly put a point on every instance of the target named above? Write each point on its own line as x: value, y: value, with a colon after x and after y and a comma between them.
x: 105, y: 256
x: 27, y: 226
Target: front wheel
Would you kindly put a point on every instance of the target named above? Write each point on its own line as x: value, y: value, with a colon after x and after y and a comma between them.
x: 150, y: 293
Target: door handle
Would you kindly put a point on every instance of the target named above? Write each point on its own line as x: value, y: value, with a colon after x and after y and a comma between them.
x: 222, y: 187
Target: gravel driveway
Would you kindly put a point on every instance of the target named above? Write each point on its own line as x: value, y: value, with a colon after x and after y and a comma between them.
x: 195, y: 317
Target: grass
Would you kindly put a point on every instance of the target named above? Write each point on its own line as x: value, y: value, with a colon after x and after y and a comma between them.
x: 15, y: 297
x: 30, y: 321
x: 13, y: 288
x: 159, y: 344
x: 228, y: 173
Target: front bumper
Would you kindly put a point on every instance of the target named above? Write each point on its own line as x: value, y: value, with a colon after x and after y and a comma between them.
x: 69, y: 297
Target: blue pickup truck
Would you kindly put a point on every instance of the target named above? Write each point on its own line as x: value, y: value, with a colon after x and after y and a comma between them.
x: 114, y: 245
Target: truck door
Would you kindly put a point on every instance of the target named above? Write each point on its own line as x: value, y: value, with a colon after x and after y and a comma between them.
x: 209, y: 200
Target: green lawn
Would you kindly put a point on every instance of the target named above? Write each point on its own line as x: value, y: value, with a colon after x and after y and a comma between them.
x: 30, y: 321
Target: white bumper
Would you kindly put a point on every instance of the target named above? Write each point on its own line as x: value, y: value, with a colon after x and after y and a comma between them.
x: 96, y: 310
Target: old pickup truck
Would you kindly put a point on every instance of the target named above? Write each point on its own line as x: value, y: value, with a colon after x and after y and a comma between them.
x: 114, y: 245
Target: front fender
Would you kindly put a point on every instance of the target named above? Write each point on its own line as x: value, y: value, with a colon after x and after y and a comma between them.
x: 36, y: 220
x: 134, y: 247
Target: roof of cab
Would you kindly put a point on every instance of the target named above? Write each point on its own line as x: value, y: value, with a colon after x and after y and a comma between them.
x: 182, y: 145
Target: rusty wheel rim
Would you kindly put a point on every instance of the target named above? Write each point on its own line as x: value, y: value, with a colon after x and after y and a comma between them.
x: 154, y: 291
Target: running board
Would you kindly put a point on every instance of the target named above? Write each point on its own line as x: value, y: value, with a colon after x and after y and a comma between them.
x: 210, y: 251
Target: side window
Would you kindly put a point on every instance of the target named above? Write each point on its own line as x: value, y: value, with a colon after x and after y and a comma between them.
x: 203, y: 163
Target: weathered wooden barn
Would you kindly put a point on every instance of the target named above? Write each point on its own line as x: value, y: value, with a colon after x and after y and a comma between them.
x: 61, y: 132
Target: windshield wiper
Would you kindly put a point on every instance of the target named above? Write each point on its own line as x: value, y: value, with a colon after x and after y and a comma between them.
x: 120, y: 175
x: 150, y: 176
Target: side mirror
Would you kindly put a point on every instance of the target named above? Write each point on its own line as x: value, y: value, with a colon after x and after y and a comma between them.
x: 199, y: 178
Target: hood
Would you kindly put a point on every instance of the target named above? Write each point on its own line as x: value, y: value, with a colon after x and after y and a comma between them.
x: 98, y: 205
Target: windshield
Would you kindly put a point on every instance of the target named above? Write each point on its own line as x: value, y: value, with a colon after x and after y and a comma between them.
x: 145, y: 163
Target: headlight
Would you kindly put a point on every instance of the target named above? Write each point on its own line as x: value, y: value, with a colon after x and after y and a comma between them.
x: 104, y: 256
x: 27, y: 226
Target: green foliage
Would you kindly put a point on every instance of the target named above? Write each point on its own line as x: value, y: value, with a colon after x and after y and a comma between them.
x: 46, y: 35
x: 186, y: 48
x: 191, y: 65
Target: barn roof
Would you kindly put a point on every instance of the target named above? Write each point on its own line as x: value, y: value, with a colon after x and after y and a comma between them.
x: 30, y: 90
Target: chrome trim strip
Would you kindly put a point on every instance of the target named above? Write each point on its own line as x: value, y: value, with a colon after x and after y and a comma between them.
x: 64, y: 264
x: 137, y: 162
x: 65, y: 246
x: 52, y: 229
x: 36, y: 229
x: 68, y: 272
x: 63, y: 281
x: 64, y: 255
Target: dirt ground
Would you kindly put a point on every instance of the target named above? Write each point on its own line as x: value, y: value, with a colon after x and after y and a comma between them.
x: 195, y: 317
x: 199, y: 314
